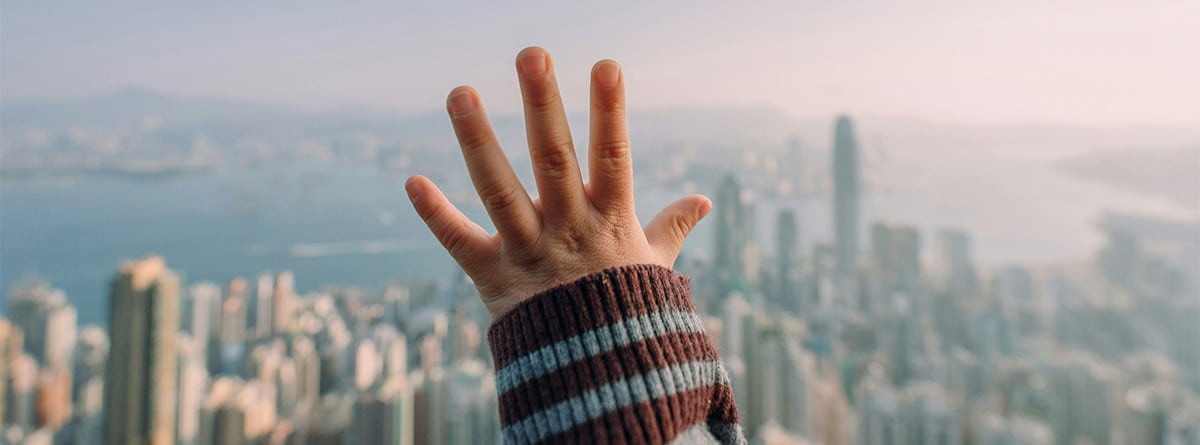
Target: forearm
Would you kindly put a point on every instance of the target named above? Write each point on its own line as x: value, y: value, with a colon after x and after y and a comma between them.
x: 617, y: 356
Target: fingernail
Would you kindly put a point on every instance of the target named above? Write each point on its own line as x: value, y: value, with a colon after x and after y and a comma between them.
x: 413, y: 188
x: 533, y: 64
x: 461, y: 104
x: 705, y: 208
x: 607, y: 74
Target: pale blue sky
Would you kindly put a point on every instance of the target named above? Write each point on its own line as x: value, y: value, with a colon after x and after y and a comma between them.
x: 1073, y: 62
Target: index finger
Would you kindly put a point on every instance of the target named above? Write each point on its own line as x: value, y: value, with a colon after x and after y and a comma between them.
x: 503, y: 196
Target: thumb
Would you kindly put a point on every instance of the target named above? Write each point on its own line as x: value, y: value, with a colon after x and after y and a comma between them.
x: 671, y: 226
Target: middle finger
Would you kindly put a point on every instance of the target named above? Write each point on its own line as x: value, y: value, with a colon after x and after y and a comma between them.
x: 555, y: 167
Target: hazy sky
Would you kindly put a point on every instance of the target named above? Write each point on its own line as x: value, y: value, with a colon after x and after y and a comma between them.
x: 1073, y: 62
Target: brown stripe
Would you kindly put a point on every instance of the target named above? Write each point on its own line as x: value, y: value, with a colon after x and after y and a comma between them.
x: 596, y: 371
x: 723, y: 409
x: 610, y: 295
x: 643, y: 428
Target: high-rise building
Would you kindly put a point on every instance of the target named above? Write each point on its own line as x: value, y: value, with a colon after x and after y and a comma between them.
x: 896, y: 264
x: 1087, y: 398
x: 954, y: 254
x: 231, y: 337
x: 282, y: 303
x: 385, y: 417
x: 204, y: 314
x: 880, y: 420
x: 799, y: 375
x: 11, y: 339
x: 930, y: 416
x: 22, y: 385
x: 308, y: 371
x: 431, y: 395
x: 48, y: 321
x: 397, y: 301
x: 368, y: 364
x: 53, y: 397
x: 845, y: 203
x: 140, y: 386
x: 1118, y: 260
x: 264, y: 293
x: 221, y: 421
x: 193, y: 384
x: 787, y: 240
x: 91, y: 355
x: 832, y: 422
x: 729, y: 260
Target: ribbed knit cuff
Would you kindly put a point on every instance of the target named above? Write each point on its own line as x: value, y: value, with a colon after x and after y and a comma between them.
x: 619, y: 356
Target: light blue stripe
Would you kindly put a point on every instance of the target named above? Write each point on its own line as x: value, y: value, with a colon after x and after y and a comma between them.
x: 632, y: 390
x: 594, y: 342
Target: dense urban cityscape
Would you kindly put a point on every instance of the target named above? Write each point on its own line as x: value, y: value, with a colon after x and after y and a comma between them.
x: 855, y: 341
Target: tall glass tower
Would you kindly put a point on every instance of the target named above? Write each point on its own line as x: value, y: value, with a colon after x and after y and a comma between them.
x: 845, y: 202
x: 735, y: 233
x: 140, y: 389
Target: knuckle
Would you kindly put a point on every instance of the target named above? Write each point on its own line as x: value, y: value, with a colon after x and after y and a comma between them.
x: 473, y: 142
x: 612, y: 106
x: 498, y: 198
x: 556, y: 160
x: 454, y: 239
x: 613, y: 153
x: 575, y: 238
x: 426, y: 211
x: 618, y: 233
x: 542, y: 99
x: 680, y: 226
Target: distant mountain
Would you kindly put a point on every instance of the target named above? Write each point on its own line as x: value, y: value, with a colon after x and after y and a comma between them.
x: 1173, y: 173
x: 751, y: 128
x: 129, y: 107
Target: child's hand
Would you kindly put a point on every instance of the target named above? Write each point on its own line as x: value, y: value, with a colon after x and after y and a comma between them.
x: 573, y: 229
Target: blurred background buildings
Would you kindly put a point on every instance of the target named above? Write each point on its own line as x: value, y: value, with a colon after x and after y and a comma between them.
x: 1014, y: 261
x: 834, y: 344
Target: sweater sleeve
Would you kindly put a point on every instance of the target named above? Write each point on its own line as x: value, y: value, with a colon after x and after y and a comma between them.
x: 619, y: 356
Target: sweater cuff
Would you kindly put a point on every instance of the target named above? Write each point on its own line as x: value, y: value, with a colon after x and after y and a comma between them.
x: 617, y: 356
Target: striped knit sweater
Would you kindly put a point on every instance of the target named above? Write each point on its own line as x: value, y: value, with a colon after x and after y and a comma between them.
x: 619, y: 356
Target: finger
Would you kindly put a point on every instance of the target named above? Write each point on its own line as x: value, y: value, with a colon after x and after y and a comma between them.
x: 610, y: 163
x: 503, y: 196
x: 554, y: 165
x: 671, y: 226
x: 468, y: 243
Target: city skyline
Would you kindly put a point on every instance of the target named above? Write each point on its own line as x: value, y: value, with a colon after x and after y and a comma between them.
x: 931, y: 223
x: 843, y: 338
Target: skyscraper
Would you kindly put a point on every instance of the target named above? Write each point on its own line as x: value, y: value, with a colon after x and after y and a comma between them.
x: 22, y: 385
x: 204, y: 316
x: 730, y: 216
x: 954, y: 248
x: 845, y: 202
x: 231, y: 335
x: 48, y: 321
x: 11, y: 339
x: 895, y: 260
x: 282, y: 305
x: 140, y: 389
x: 734, y: 261
x: 787, y: 237
x: 53, y: 400
x: 263, y: 311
